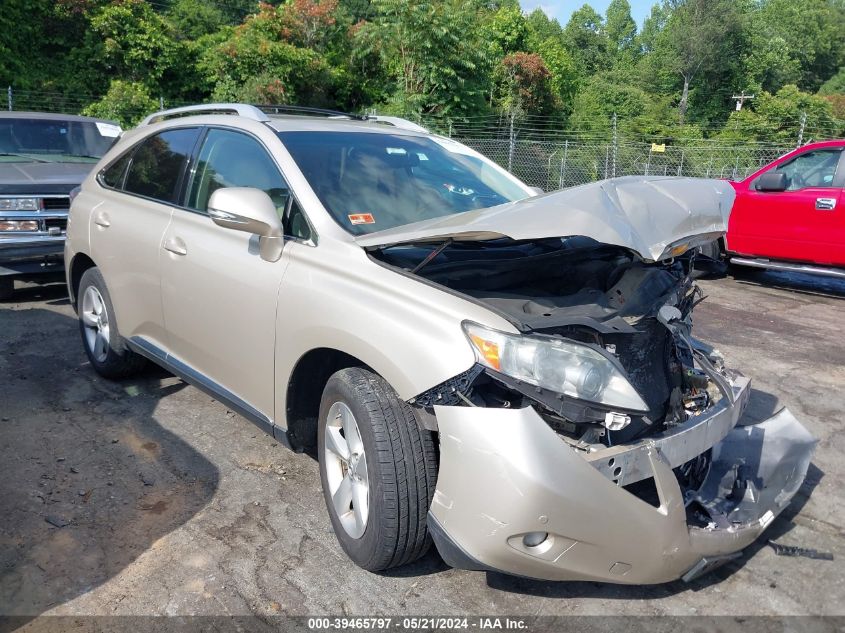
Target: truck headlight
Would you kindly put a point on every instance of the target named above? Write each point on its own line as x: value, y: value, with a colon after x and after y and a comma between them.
x: 559, y: 365
x: 19, y: 204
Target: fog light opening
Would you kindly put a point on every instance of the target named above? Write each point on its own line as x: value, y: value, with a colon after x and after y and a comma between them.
x: 534, y: 539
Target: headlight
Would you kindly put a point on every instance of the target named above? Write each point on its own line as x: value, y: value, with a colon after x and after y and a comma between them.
x: 19, y: 204
x: 558, y: 365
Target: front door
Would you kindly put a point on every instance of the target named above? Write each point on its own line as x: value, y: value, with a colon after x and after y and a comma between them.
x: 219, y: 296
x: 804, y: 223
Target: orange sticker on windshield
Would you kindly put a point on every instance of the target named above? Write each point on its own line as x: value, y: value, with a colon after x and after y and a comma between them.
x: 361, y: 218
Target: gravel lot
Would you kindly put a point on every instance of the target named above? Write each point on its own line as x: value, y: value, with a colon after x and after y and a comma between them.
x: 148, y: 497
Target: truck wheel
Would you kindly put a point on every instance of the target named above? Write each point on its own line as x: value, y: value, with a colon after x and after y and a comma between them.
x: 378, y: 469
x: 713, y: 250
x: 105, y: 347
x: 7, y: 287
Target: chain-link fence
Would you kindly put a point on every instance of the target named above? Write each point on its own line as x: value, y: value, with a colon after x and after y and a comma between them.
x: 557, y: 164
x: 552, y: 159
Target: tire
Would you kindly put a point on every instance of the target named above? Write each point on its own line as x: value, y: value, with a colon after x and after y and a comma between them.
x: 400, y: 470
x: 713, y: 250
x: 7, y: 288
x: 104, y: 346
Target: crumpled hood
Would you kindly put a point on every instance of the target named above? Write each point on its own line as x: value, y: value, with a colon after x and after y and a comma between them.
x: 59, y: 177
x: 646, y: 214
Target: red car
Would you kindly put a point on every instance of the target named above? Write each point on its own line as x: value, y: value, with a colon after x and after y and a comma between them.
x: 790, y: 215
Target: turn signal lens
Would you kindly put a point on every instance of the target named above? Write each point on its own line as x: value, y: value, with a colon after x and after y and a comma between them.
x: 18, y: 225
x: 488, y: 350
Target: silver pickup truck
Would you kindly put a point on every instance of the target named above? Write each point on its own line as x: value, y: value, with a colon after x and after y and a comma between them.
x: 42, y: 158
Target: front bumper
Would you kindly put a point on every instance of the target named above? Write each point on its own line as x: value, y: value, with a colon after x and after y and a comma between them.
x: 31, y: 255
x: 505, y: 473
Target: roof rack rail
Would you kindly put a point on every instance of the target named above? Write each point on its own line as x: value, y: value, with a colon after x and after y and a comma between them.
x: 241, y: 109
x: 294, y: 109
x: 395, y: 121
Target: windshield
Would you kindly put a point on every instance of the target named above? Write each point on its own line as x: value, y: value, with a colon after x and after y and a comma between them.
x: 55, y: 140
x: 370, y: 182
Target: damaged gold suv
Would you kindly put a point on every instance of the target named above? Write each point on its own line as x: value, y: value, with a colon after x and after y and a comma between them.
x: 509, y: 375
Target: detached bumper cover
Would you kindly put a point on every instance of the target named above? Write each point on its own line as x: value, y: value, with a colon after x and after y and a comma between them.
x: 505, y: 473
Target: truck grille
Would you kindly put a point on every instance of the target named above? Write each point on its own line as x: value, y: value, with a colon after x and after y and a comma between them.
x: 59, y: 203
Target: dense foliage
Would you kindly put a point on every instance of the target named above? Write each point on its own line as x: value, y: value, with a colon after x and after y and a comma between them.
x: 458, y: 62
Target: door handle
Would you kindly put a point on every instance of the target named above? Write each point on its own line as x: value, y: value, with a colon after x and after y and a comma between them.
x: 102, y: 219
x: 825, y: 204
x: 176, y: 246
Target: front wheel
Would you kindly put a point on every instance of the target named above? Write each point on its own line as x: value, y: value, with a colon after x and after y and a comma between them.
x: 378, y: 469
x: 105, y: 347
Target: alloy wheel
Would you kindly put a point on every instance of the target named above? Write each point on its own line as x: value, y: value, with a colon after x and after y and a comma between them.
x: 346, y: 470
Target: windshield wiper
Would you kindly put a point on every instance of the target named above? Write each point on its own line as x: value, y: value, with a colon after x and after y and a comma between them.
x: 431, y: 256
x: 35, y: 159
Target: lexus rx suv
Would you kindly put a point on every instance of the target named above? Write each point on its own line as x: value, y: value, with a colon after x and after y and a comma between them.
x: 508, y: 375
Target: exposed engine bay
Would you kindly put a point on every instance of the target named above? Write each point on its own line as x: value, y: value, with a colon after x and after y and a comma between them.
x: 635, y: 313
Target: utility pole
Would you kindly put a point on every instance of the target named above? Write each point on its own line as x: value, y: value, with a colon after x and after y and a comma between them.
x: 801, y: 129
x: 9, y: 97
x: 740, y: 99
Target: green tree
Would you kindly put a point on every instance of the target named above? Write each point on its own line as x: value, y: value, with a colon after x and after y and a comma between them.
x: 191, y: 19
x: 125, y: 102
x: 541, y: 27
x: 586, y: 41
x: 508, y: 31
x: 777, y: 117
x: 835, y: 85
x: 132, y: 42
x: 564, y: 76
x: 433, y: 53
x: 799, y: 42
x: 257, y: 59
x: 620, y: 26
x: 701, y: 42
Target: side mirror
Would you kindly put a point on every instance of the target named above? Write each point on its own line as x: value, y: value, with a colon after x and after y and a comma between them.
x: 773, y: 181
x: 251, y: 211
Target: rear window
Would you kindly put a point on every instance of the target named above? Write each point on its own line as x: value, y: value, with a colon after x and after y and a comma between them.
x: 157, y: 165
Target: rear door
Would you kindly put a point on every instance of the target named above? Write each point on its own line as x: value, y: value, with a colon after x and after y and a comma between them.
x: 139, y: 190
x: 804, y: 223
x: 220, y: 297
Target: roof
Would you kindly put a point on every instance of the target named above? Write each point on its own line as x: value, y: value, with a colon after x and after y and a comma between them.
x: 52, y: 116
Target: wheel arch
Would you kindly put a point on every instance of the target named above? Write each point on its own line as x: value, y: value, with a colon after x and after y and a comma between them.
x: 78, y: 265
x: 304, y: 391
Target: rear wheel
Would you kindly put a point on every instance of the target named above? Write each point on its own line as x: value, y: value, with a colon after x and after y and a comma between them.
x: 105, y: 347
x: 378, y: 469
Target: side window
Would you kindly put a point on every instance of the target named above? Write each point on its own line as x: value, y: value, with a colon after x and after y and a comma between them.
x: 112, y: 175
x: 816, y: 168
x: 158, y: 162
x: 233, y: 159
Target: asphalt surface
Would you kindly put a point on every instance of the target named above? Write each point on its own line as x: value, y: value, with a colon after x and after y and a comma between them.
x: 148, y: 497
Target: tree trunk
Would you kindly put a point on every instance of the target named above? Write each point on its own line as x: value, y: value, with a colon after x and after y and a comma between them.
x: 682, y: 106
